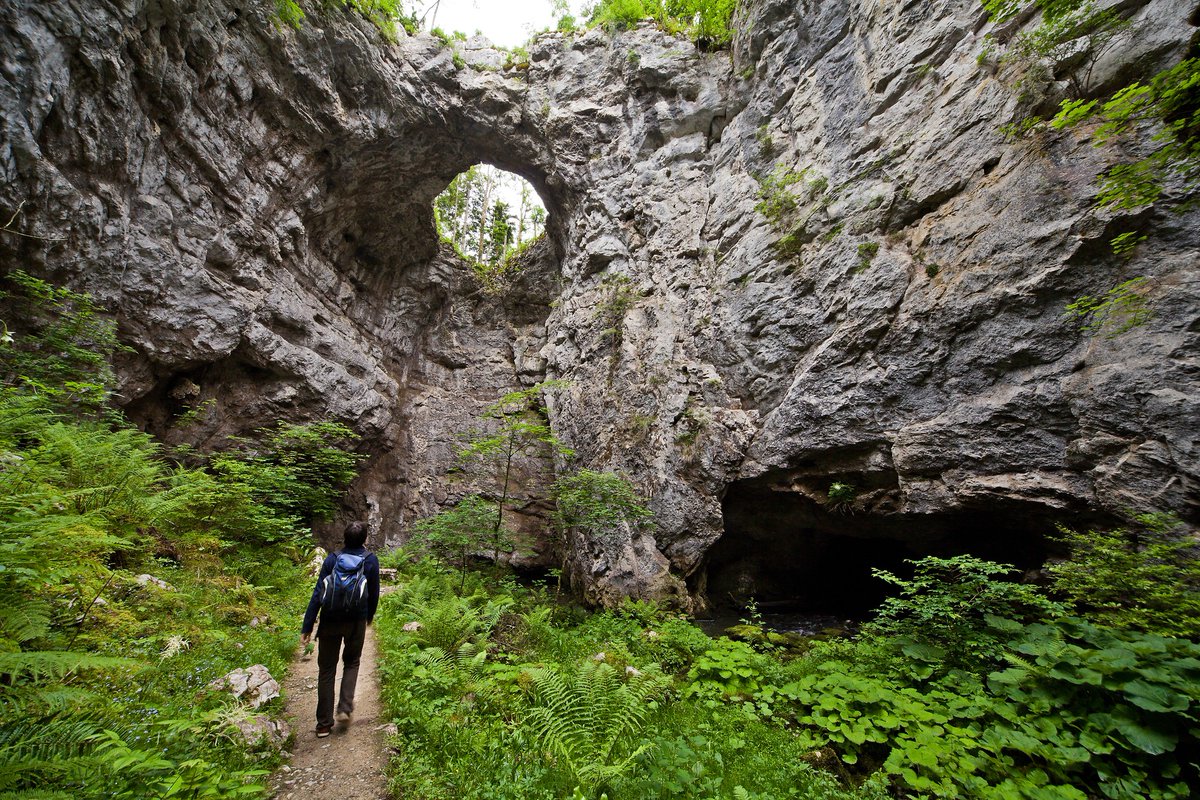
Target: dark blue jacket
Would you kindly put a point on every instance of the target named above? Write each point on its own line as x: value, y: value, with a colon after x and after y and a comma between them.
x: 372, y: 574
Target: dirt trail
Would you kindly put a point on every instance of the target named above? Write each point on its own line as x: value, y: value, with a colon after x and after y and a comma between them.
x: 349, y: 764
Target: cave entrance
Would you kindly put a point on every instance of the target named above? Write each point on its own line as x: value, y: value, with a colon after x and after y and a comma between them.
x: 489, y: 216
x: 794, y: 552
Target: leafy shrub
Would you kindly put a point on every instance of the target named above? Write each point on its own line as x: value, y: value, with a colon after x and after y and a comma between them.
x: 1115, y: 713
x: 299, y: 470
x: 946, y: 611
x: 880, y: 720
x: 458, y: 531
x: 1144, y: 577
x: 708, y: 22
x: 55, y: 344
x: 726, y: 670
x: 597, y: 503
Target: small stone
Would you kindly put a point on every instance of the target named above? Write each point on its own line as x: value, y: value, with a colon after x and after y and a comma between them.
x: 145, y: 579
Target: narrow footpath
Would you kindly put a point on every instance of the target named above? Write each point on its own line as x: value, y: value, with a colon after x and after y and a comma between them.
x: 349, y: 764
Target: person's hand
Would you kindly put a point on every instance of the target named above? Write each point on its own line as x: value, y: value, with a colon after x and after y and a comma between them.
x: 305, y: 638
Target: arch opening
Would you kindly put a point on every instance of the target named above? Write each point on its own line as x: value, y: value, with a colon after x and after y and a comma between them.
x: 490, y: 217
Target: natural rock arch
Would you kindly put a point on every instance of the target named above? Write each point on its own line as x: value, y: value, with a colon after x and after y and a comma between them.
x: 253, y: 205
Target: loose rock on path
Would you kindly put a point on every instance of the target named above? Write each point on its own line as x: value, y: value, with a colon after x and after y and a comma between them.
x: 349, y: 764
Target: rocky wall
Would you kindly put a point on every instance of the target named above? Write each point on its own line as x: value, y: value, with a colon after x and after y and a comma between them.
x: 252, y: 203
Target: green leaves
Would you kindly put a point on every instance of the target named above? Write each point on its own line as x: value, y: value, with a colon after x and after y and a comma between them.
x: 298, y: 470
x: 1144, y: 576
x: 597, y: 503
x: 590, y: 720
x: 385, y: 14
x: 55, y: 345
x: 709, y: 22
x: 958, y: 607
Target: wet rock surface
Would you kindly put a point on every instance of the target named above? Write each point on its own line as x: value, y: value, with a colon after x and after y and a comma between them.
x: 252, y: 203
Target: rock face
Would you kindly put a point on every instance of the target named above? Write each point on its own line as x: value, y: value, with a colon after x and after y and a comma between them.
x: 253, y: 203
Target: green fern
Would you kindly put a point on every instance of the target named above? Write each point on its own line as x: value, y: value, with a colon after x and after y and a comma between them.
x: 48, y: 700
x: 55, y: 664
x: 25, y: 620
x: 589, y: 721
x: 36, y: 751
x: 449, y: 622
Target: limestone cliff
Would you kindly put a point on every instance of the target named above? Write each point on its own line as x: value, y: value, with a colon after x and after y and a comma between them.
x: 252, y: 203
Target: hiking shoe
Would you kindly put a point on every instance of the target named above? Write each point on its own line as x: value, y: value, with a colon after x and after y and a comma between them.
x: 324, y: 730
x: 344, y: 717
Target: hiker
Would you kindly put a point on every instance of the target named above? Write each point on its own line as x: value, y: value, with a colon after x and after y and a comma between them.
x: 346, y: 595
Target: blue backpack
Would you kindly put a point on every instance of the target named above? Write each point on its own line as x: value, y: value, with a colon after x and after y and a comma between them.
x: 344, y: 590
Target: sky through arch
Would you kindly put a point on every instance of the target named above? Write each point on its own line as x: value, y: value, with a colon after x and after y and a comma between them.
x: 487, y: 214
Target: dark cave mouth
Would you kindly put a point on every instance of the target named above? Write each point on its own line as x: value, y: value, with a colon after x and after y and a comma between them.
x: 794, y: 555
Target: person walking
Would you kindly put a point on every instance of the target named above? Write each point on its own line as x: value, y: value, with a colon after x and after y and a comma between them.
x: 345, y: 597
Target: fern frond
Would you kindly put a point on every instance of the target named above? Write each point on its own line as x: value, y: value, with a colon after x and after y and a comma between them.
x: 33, y: 750
x: 36, y: 700
x: 589, y: 721
x: 56, y: 664
x: 1018, y: 661
x: 26, y: 620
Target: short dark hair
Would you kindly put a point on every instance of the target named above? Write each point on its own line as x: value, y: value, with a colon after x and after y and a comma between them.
x: 355, y: 534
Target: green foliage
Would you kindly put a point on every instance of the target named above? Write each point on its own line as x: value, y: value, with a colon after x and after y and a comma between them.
x: 102, y: 676
x: 841, y: 492
x: 1125, y: 244
x: 1112, y: 713
x: 946, y: 613
x: 385, y: 14
x: 611, y: 313
x: 597, y: 503
x: 766, y: 143
x: 1052, y: 709
x: 775, y: 198
x: 841, y: 496
x: 1121, y: 309
x: 455, y: 533
x: 1080, y: 712
x: 866, y: 254
x: 708, y: 22
x: 474, y: 217
x: 782, y: 197
x: 537, y: 725
x: 727, y: 670
x: 590, y: 720
x: 1169, y: 101
x: 55, y: 344
x: 298, y: 470
x: 1144, y: 577
x: 872, y: 719
x: 1079, y: 30
x: 519, y: 428
x: 1164, y: 111
x: 449, y: 622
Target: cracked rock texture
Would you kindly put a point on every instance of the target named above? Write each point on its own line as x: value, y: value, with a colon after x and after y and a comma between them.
x: 252, y: 203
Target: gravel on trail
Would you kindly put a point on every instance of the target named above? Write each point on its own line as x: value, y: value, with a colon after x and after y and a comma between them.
x: 348, y: 765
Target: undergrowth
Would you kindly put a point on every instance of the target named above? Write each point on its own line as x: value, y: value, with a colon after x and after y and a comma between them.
x: 966, y: 685
x: 131, y: 582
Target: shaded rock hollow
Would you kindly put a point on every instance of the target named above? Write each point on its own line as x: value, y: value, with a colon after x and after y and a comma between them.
x: 253, y: 205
